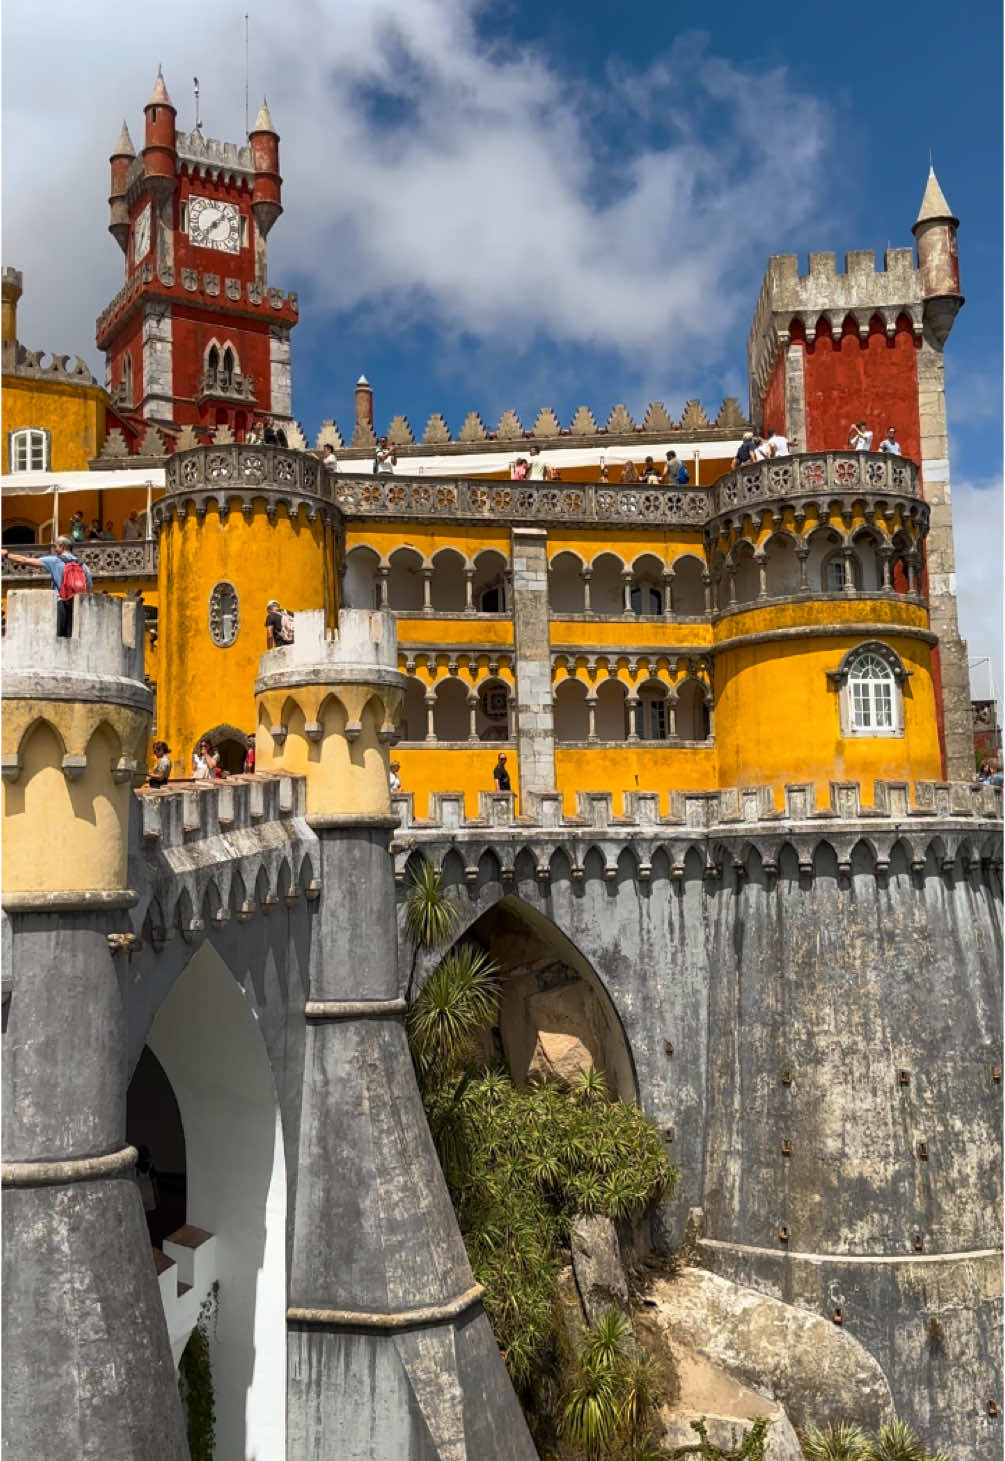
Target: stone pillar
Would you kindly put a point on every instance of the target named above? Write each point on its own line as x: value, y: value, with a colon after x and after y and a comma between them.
x: 848, y: 558
x: 591, y: 711
x: 762, y: 577
x: 633, y: 708
x: 88, y: 1363
x: 952, y: 650
x: 668, y: 578
x: 706, y: 580
x: 383, y: 575
x: 388, y: 1347
x: 795, y: 397
x: 472, y: 717
x: 803, y: 553
x: 532, y: 640
x: 586, y: 574
x: 430, y: 704
x: 626, y: 585
x: 469, y: 583
x: 885, y: 554
x: 427, y: 586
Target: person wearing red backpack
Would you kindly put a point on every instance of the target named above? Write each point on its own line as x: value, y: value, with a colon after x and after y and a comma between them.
x: 69, y: 578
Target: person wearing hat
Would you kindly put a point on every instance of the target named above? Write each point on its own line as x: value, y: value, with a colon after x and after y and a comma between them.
x: 745, y: 451
x: 278, y: 625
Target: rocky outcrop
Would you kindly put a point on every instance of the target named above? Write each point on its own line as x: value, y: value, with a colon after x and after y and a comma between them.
x: 813, y: 1369
x: 596, y: 1262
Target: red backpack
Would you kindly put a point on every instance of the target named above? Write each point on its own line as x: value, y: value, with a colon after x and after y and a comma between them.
x: 74, y: 581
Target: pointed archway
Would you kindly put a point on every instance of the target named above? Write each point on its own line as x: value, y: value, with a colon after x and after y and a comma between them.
x: 556, y: 1016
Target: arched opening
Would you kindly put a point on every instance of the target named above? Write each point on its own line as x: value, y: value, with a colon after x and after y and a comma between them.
x: 207, y: 1042
x: 556, y: 1017
x: 747, y: 577
x: 866, y: 543
x: 359, y: 587
x: 404, y: 583
x: 687, y: 592
x: 228, y: 367
x: 646, y: 595
x: 447, y: 590
x: 451, y: 718
x: 607, y: 594
x: 823, y: 542
x: 154, y: 1128
x: 838, y: 570
x: 572, y: 721
x: 231, y: 744
x: 781, y: 567
x: 18, y: 534
x: 488, y: 587
x: 566, y: 588
x: 612, y: 713
x: 492, y: 716
x: 414, y: 711
x: 693, y: 715
x: 213, y: 359
x: 653, y: 711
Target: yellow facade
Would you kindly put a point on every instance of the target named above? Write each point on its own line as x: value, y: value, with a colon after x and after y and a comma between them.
x: 202, y: 686
x: 72, y: 413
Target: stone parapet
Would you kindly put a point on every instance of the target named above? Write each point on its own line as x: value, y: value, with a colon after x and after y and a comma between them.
x: 101, y: 661
x: 105, y: 560
x: 228, y: 473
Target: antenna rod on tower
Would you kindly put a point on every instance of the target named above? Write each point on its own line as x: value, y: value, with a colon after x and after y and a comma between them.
x: 195, y: 85
x: 246, y: 124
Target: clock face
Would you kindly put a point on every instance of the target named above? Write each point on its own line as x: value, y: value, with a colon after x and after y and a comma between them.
x: 141, y: 235
x: 214, y: 225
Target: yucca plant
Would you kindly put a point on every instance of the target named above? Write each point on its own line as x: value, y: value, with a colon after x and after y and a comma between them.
x: 431, y: 915
x: 590, y: 1415
x: 839, y: 1441
x: 897, y: 1442
x: 590, y: 1085
x: 607, y: 1340
x: 639, y: 1392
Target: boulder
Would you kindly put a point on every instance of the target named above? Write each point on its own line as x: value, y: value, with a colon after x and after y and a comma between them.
x: 558, y: 1057
x: 727, y: 1407
x: 815, y: 1370
x: 596, y: 1262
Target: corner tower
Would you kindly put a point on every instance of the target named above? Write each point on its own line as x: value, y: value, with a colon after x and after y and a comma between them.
x: 829, y: 348
x: 196, y: 337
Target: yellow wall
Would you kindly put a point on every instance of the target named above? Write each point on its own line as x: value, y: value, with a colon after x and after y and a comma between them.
x: 642, y: 766
x: 453, y: 768
x: 344, y: 777
x: 75, y: 415
x: 199, y: 685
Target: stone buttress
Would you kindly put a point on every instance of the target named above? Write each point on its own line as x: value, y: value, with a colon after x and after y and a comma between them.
x: 88, y: 1364
x: 389, y: 1349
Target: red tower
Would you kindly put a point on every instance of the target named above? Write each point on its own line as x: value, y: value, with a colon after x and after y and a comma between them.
x: 196, y: 337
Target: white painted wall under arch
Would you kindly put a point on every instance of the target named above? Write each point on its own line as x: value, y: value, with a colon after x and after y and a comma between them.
x: 206, y: 1037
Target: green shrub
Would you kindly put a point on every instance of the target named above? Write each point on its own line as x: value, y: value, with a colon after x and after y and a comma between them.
x: 195, y: 1382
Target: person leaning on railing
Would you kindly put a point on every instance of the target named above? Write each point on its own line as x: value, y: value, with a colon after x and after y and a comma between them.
x: 69, y: 577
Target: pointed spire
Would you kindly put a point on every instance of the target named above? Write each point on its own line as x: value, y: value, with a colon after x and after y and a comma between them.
x: 124, y: 146
x: 263, y: 122
x: 159, y: 96
x: 933, y: 204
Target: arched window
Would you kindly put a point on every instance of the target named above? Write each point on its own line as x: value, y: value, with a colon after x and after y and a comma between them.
x: 229, y: 366
x: 870, y: 682
x: 127, y: 378
x: 213, y: 359
x: 29, y: 450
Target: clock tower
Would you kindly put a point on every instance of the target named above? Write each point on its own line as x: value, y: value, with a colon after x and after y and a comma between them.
x: 196, y: 337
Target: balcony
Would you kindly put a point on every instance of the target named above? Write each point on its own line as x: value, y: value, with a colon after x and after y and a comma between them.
x: 226, y: 385
x: 107, y: 561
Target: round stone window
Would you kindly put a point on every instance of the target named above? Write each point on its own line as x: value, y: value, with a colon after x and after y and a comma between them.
x: 224, y: 617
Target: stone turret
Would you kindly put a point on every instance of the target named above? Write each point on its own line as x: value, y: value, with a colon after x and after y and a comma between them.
x: 123, y: 154
x: 13, y: 284
x: 160, y: 157
x: 379, y: 1281
x: 266, y: 202
x: 76, y: 719
x: 81, y: 1292
x: 938, y: 259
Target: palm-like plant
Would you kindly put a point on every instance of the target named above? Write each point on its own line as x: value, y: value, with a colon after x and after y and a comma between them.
x: 607, y: 1341
x: 590, y: 1416
x: 431, y: 915
x: 458, y: 1001
x: 640, y: 1389
x: 590, y: 1085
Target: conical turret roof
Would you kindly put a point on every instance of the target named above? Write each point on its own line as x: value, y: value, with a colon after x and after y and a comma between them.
x: 263, y: 122
x: 124, y: 146
x: 933, y: 204
x: 159, y: 96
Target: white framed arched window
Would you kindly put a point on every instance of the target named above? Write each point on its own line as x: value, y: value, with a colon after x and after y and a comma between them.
x: 870, y: 682
x: 29, y: 450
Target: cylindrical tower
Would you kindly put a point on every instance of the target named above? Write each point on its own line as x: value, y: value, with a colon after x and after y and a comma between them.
x: 938, y: 259
x: 81, y: 1302
x: 363, y: 429
x: 13, y: 284
x: 267, y: 195
x: 379, y: 1281
x: 160, y: 156
x: 239, y: 525
x: 123, y: 154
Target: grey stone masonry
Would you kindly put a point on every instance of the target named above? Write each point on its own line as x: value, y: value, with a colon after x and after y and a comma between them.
x: 534, y: 713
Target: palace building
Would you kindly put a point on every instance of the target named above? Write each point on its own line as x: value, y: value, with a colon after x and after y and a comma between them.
x: 741, y: 840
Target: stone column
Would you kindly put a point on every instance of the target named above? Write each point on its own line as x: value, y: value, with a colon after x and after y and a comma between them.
x: 762, y: 577
x: 427, y: 586
x: 469, y: 584
x: 532, y: 640
x: 586, y: 574
x: 803, y: 553
x: 633, y: 709
x: 389, y: 1352
x: 472, y: 717
x: 591, y: 711
x: 952, y: 650
x: 430, y: 703
x: 706, y: 580
x: 87, y: 1359
x: 626, y: 584
x: 668, y: 578
x: 885, y: 555
x: 383, y: 574
x: 848, y: 558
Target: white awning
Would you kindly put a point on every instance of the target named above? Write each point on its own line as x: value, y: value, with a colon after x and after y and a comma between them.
x: 34, y: 484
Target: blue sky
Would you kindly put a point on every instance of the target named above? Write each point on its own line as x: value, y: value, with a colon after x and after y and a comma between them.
x: 527, y: 205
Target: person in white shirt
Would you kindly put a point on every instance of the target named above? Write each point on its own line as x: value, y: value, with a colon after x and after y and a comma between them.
x: 385, y: 460
x: 394, y: 776
x: 537, y: 471
x: 859, y: 439
x: 131, y: 529
x: 778, y: 444
x: 329, y: 459
x: 763, y: 451
x: 890, y: 444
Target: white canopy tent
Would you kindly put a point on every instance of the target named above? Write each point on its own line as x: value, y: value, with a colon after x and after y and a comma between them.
x: 35, y: 484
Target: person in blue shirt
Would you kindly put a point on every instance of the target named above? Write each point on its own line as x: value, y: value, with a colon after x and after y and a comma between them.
x: 54, y: 564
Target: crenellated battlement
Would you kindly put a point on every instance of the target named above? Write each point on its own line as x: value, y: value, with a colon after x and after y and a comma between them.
x: 102, y: 659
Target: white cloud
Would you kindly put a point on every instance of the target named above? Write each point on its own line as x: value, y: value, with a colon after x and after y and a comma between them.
x: 977, y: 529
x: 428, y: 173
